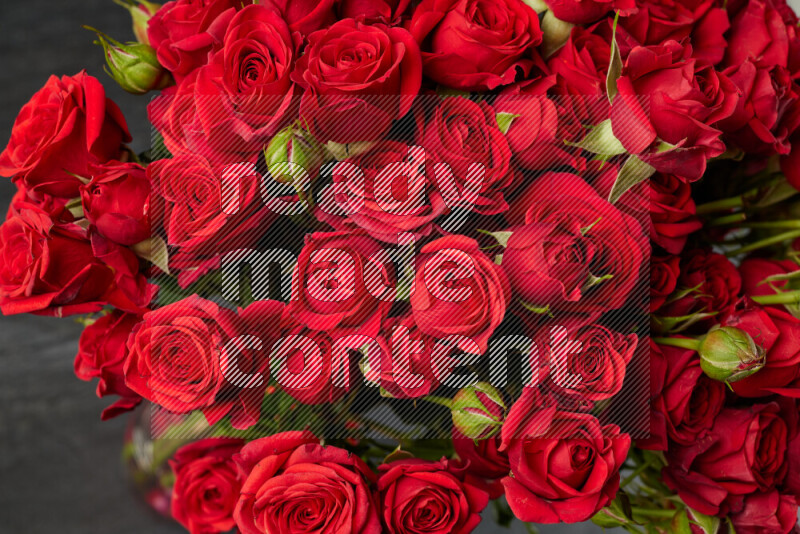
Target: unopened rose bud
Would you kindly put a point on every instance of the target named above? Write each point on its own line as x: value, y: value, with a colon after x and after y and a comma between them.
x: 728, y: 354
x: 292, y: 152
x: 141, y: 11
x: 134, y: 66
x: 478, y: 411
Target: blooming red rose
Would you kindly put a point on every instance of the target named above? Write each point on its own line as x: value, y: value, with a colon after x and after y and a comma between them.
x: 411, y: 365
x: 117, y: 202
x: 388, y: 202
x: 385, y: 11
x: 778, y: 333
x: 483, y: 458
x: 68, y: 125
x: 766, y: 513
x: 743, y: 453
x: 572, y: 250
x: 357, y: 79
x: 421, y: 496
x: 174, y: 354
x: 581, y: 65
x: 709, y: 283
x: 233, y: 106
x: 687, y: 99
x: 341, y: 283
x: 313, y: 366
x: 476, y: 45
x: 294, y: 484
x: 305, y: 16
x: 762, y: 276
x: 767, y: 112
x: 458, y: 291
x: 542, y: 125
x: 672, y: 212
x: 49, y: 268
x: 758, y: 32
x: 684, y: 401
x: 579, y: 12
x: 245, y: 363
x: 208, y: 210
x: 596, y: 371
x: 675, y: 20
x: 101, y: 354
x: 206, y: 485
x: 464, y: 136
x: 664, y: 271
x: 183, y: 32
x: 564, y: 466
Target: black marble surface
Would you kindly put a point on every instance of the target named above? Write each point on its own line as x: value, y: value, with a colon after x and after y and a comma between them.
x: 60, y: 469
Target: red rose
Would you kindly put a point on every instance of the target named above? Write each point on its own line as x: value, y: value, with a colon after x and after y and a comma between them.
x: 208, y: 211
x: 183, y: 32
x: 756, y: 276
x: 305, y: 16
x: 385, y: 11
x: 579, y: 12
x: 710, y: 284
x: 598, y: 369
x: 315, y: 367
x: 401, y: 203
x: 206, y: 485
x: 664, y: 271
x: 687, y: 100
x: 101, y: 354
x: 458, y: 291
x: 672, y: 212
x: 744, y: 453
x: 230, y: 108
x: 542, y: 125
x: 564, y: 466
x: 474, y: 45
x: 245, y: 362
x: 758, y: 32
x: 778, y: 333
x: 357, y: 80
x: 67, y: 126
x: 294, y: 484
x: 421, y: 496
x: 341, y: 283
x: 464, y: 135
x: 410, y: 366
x: 767, y: 112
x: 49, y: 268
x: 117, y: 203
x: 766, y: 513
x: 174, y: 354
x: 675, y: 20
x: 684, y: 401
x: 483, y: 458
x: 572, y: 250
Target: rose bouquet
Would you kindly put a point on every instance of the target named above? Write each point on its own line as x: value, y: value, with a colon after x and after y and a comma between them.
x: 389, y: 265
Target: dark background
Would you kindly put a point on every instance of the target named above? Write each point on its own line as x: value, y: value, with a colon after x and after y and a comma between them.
x: 60, y: 468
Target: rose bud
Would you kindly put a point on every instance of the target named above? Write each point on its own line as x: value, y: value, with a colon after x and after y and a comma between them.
x: 134, y: 66
x: 478, y: 411
x: 296, y: 146
x: 141, y: 11
x: 117, y: 202
x: 729, y: 354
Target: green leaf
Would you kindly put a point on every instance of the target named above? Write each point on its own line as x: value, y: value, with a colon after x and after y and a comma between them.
x: 539, y: 310
x: 709, y: 524
x: 633, y: 172
x: 154, y: 250
x: 616, y: 514
x: 601, y: 140
x: 614, y: 64
x: 504, y: 121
